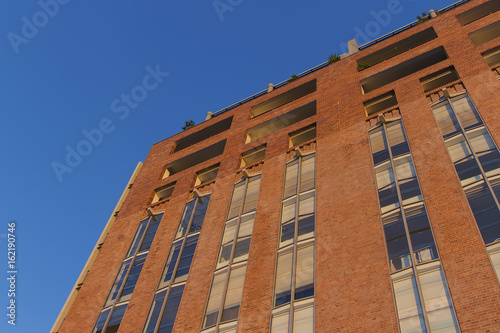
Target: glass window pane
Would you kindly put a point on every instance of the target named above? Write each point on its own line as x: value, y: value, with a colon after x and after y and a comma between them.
x: 495, y: 185
x: 397, y: 138
x: 303, y: 320
x: 186, y: 258
x: 283, y: 278
x: 288, y: 212
x: 304, y: 279
x: 133, y: 276
x: 199, y: 214
x: 252, y: 194
x: 291, y: 176
x: 234, y: 294
x: 410, y: 191
x: 495, y: 259
x: 437, y: 302
x: 484, y: 209
x: 378, y: 145
x: 468, y: 171
x: 173, y: 256
x: 171, y: 308
x: 465, y: 111
x: 307, y: 180
x: 151, y: 232
x: 101, y: 321
x: 397, y: 242
x: 457, y: 148
x: 490, y: 161
x: 404, y: 168
x: 445, y: 118
x: 186, y: 216
x: 287, y: 232
x: 408, y: 306
x: 236, y: 200
x: 480, y: 140
x: 306, y: 215
x: 420, y: 233
x: 388, y: 197
x: 118, y: 281
x: 384, y: 175
x: 138, y: 237
x: 244, y: 238
x: 116, y: 318
x: 227, y: 243
x: 395, y: 133
x: 280, y: 323
x: 215, y: 299
x: 155, y: 311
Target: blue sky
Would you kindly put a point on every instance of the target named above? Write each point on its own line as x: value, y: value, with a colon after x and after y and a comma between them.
x: 68, y: 71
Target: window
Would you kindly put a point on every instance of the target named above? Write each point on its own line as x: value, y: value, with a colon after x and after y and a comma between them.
x: 195, y: 158
x: 127, y: 277
x: 422, y: 299
x: 485, y: 34
x: 477, y: 162
x: 494, y: 252
x: 163, y: 193
x: 404, y: 69
x: 302, y: 135
x: 286, y: 97
x: 203, y: 134
x: 281, y: 122
x: 439, y: 78
x: 253, y: 155
x: 293, y: 305
x: 224, y: 300
x: 397, y: 48
x: 478, y: 12
x: 380, y: 103
x: 207, y: 175
x: 168, y: 296
x: 492, y: 57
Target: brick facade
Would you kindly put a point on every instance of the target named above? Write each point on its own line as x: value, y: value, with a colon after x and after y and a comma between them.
x: 352, y: 282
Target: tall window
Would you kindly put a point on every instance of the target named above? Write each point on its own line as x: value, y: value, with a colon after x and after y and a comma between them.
x: 422, y: 297
x: 293, y: 305
x: 223, y: 306
x: 477, y: 163
x: 116, y: 304
x: 167, y: 299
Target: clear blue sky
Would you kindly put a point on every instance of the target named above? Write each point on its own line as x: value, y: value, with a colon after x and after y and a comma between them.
x: 72, y: 73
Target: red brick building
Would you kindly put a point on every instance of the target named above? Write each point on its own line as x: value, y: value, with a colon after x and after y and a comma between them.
x: 362, y: 196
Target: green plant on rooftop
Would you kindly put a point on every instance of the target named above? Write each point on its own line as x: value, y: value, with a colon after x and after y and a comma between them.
x: 189, y: 124
x: 425, y: 16
x: 333, y: 58
x: 364, y: 65
x: 293, y: 78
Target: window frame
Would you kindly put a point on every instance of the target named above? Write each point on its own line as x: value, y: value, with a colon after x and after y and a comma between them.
x: 412, y: 270
x: 293, y: 247
x: 228, y: 268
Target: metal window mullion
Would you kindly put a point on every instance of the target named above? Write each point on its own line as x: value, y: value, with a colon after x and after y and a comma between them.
x: 407, y: 231
x: 163, y: 306
x: 474, y: 153
x: 105, y: 326
x: 231, y: 258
